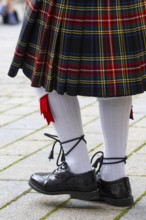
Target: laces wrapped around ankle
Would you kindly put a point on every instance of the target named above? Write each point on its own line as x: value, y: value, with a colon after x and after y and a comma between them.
x: 61, y: 152
x: 99, y: 161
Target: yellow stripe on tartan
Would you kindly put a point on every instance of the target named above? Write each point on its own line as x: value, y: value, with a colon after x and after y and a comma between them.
x: 15, y: 64
x: 143, y: 19
x: 122, y: 47
x: 62, y: 33
x: 28, y: 66
x: 77, y: 32
x: 29, y: 20
x: 97, y: 82
x: 21, y: 43
x: 112, y: 52
x: 58, y: 24
x: 101, y: 58
x: 101, y: 50
x: 99, y: 7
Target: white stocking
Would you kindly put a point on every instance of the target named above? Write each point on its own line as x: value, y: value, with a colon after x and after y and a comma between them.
x: 114, y: 115
x: 68, y: 125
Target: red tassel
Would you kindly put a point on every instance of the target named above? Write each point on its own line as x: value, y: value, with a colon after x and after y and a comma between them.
x: 131, y: 114
x: 45, y: 109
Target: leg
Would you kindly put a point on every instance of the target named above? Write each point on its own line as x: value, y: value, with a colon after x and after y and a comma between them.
x: 76, y: 176
x: 114, y: 116
x: 114, y: 186
x: 68, y: 125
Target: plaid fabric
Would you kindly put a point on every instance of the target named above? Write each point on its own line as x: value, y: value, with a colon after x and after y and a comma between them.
x: 84, y: 47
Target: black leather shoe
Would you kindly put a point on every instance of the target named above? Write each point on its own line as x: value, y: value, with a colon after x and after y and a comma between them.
x: 116, y: 193
x: 63, y: 181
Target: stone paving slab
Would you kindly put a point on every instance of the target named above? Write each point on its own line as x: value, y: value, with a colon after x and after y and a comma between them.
x: 6, y: 160
x: 137, y: 134
x: 8, y: 136
x: 143, y: 149
x: 141, y: 123
x: 73, y: 209
x: 7, y: 119
x: 20, y: 110
x: 25, y: 168
x: 11, y: 189
x: 76, y: 210
x: 23, y: 147
x: 81, y: 209
x: 139, y: 211
x: 31, y: 121
x: 133, y: 145
x: 5, y: 107
x: 31, y: 206
x: 138, y: 165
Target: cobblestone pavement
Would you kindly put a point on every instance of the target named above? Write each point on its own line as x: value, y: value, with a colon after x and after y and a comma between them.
x: 24, y: 150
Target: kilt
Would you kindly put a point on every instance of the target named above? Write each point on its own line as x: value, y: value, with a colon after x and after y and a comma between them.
x: 84, y: 47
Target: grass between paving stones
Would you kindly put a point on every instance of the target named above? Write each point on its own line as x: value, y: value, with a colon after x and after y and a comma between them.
x: 18, y: 118
x: 56, y: 209
x: 66, y: 201
x: 91, y: 121
x: 89, y: 105
x: 19, y: 139
x: 62, y: 205
x: 26, y: 192
x: 91, y: 150
x: 136, y: 175
x: 15, y: 199
x: 41, y: 127
x: 140, y: 119
x: 137, y: 149
x: 26, y: 156
x: 11, y: 108
x: 16, y: 106
x: 125, y: 211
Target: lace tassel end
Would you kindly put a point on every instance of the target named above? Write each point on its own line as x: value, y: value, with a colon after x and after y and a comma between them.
x: 51, y: 155
x: 63, y: 157
x: 45, y: 110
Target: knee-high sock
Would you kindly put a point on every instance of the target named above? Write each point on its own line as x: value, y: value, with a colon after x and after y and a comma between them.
x: 114, y: 115
x: 68, y: 125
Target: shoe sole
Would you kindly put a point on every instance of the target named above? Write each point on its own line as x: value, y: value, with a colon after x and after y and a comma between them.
x: 89, y: 196
x: 118, y: 202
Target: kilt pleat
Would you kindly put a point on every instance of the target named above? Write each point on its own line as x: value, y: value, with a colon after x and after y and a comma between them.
x: 84, y: 47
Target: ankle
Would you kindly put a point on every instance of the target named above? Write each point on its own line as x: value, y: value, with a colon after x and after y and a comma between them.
x: 109, y: 168
x: 76, y: 156
x: 78, y: 167
x: 112, y: 172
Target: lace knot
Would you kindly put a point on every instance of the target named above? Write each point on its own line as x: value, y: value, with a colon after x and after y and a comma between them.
x: 61, y: 153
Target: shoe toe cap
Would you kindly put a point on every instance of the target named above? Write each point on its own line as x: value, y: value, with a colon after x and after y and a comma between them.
x: 38, y: 178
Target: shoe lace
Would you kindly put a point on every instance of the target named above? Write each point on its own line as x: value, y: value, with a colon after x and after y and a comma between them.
x: 61, y: 155
x: 97, y: 164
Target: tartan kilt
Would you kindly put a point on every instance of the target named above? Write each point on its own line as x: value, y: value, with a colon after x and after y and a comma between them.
x: 84, y: 47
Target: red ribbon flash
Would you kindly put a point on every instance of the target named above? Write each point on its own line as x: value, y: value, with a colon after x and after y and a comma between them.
x: 45, y: 109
